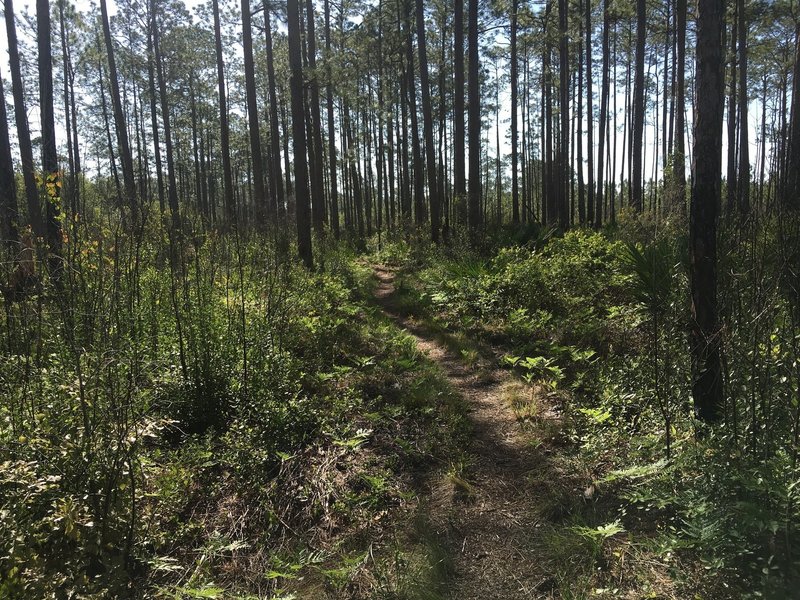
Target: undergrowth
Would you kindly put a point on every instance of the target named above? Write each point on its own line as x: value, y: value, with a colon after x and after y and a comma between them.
x: 595, y: 325
x: 199, y: 416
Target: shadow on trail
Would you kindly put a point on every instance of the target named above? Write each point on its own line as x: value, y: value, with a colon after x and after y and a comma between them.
x: 490, y: 513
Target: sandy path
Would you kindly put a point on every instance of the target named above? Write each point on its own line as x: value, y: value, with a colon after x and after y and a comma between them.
x: 489, y: 525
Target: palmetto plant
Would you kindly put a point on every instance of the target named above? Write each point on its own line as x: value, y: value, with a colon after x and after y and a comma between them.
x: 653, y: 268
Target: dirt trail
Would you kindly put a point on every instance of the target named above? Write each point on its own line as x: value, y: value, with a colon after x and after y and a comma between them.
x: 489, y: 524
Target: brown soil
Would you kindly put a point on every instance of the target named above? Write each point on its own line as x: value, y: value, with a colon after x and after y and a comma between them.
x: 487, y: 517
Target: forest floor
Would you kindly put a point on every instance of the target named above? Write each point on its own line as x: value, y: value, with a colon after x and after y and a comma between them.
x: 486, y: 514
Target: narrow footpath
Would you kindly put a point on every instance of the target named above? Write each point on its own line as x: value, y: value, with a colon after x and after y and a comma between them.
x: 487, y: 518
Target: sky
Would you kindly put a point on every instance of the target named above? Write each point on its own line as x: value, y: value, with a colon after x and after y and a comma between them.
x: 650, y: 170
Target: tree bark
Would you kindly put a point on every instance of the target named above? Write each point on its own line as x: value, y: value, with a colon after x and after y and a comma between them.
x: 120, y: 126
x: 23, y: 132
x: 302, y: 200
x: 514, y: 108
x: 474, y: 219
x: 225, y: 151
x: 459, y: 137
x: 707, y: 155
x: 172, y: 186
x: 276, y: 180
x: 259, y: 189
x: 334, y: 193
x: 563, y: 146
x: 316, y: 154
x: 680, y: 102
x: 427, y: 124
x: 636, y: 146
x: 50, y: 170
x: 8, y: 188
x: 744, y: 144
x: 604, y: 90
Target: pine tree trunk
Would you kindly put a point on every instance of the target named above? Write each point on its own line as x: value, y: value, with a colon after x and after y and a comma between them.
x: 514, y: 108
x: 225, y: 151
x: 707, y: 153
x: 427, y: 124
x: 334, y: 193
x: 120, y: 125
x: 459, y: 137
x: 636, y: 146
x: 172, y: 185
x: 50, y: 170
x: 8, y: 189
x: 563, y: 146
x: 23, y: 132
x: 276, y: 179
x: 744, y: 144
x: 259, y: 189
x: 302, y: 200
x: 474, y: 219
x: 604, y: 90
x: 680, y: 102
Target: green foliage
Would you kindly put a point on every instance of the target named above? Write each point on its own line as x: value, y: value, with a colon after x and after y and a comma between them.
x: 598, y: 322
x: 175, y: 410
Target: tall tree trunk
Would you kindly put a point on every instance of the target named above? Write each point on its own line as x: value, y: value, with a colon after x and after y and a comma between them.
x: 604, y: 90
x: 474, y: 201
x: 334, y: 193
x: 427, y: 124
x: 316, y: 156
x: 578, y: 136
x: 744, y: 144
x: 71, y: 186
x: 302, y: 200
x: 459, y: 138
x: 259, y: 189
x: 680, y: 102
x: 589, y: 114
x: 8, y: 188
x: 707, y: 155
x: 154, y: 120
x: 791, y: 191
x: 420, y: 212
x: 225, y: 144
x: 514, y: 108
x: 23, y: 132
x: 172, y: 185
x: 276, y: 179
x: 730, y: 200
x: 563, y: 146
x: 50, y: 170
x: 636, y: 146
x: 120, y: 125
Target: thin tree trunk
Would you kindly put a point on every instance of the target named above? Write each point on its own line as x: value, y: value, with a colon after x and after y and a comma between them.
x: 474, y: 201
x: 680, y: 102
x: 172, y: 186
x: 8, y: 190
x: 604, y: 90
x: 459, y: 138
x: 259, y: 189
x: 514, y: 108
x: 334, y: 200
x: 121, y: 127
x: 302, y: 200
x: 225, y: 152
x: 636, y: 147
x: 427, y: 124
x: 744, y: 143
x: 23, y: 132
x: 50, y: 170
x: 318, y: 216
